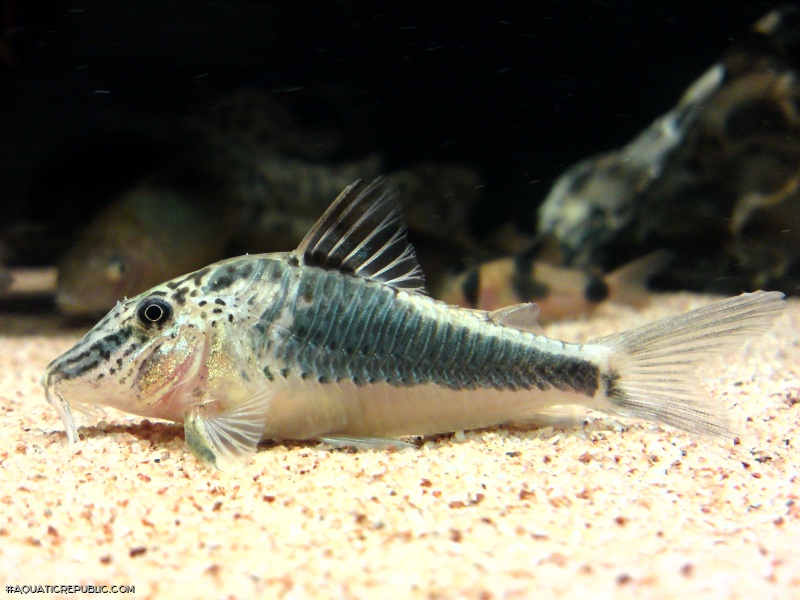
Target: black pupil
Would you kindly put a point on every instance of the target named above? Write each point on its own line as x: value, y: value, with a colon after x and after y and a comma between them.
x: 154, y: 311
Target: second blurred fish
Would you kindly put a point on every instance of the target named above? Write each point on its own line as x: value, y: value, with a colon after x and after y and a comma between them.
x: 185, y: 216
x: 560, y: 292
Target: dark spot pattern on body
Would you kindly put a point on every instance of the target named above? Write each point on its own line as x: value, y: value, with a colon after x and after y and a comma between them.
x: 226, y: 276
x: 220, y: 283
x: 179, y: 297
x: 246, y: 270
x: 197, y: 276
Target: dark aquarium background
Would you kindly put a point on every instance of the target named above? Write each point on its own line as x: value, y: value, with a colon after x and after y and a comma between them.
x: 96, y: 95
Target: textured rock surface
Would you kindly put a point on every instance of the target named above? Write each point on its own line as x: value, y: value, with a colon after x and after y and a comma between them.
x: 715, y: 180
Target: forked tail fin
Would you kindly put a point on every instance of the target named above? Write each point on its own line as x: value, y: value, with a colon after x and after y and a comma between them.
x: 653, y: 368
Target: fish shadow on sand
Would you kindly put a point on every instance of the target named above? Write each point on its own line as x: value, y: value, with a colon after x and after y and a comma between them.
x: 156, y: 433
x: 160, y: 434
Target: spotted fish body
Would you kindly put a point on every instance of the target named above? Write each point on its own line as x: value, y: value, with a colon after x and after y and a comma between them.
x: 337, y: 341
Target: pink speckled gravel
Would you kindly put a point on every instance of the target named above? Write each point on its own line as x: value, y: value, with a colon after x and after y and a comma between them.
x: 615, y: 509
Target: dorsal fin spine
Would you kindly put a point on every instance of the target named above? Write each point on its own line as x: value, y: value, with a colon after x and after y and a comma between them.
x: 368, y: 218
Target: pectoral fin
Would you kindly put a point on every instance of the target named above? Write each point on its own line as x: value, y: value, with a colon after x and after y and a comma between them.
x: 222, y: 438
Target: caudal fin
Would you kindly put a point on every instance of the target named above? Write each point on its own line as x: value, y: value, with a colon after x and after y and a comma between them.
x: 653, y: 367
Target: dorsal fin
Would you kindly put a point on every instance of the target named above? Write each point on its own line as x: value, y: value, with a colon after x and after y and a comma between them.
x: 363, y: 233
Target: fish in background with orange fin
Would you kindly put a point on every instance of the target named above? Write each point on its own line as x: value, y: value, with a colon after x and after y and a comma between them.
x: 560, y: 292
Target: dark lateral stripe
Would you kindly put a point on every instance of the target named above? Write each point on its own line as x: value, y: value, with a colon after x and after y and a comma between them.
x: 80, y: 361
x: 400, y: 343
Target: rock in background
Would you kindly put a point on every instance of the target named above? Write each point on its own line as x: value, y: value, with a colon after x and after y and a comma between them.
x: 715, y: 180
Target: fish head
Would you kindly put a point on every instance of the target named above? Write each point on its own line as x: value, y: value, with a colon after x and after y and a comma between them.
x: 155, y: 354
x: 111, y: 261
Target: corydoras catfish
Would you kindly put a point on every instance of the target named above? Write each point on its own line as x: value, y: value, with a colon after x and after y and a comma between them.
x: 337, y: 341
x: 559, y: 292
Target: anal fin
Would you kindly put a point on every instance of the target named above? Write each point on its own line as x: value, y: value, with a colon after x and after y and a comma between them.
x: 560, y: 416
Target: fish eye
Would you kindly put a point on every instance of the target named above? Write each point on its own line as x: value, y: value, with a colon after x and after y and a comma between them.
x: 153, y: 311
x: 115, y: 268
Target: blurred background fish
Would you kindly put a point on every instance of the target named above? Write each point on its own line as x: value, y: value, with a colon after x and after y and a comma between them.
x: 559, y: 292
x: 232, y: 197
